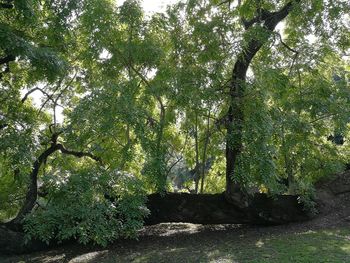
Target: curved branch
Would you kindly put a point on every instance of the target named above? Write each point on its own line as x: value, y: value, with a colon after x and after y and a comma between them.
x: 296, y: 54
x: 25, y: 97
x: 32, y: 193
x: 270, y: 19
x: 78, y: 154
x: 286, y: 45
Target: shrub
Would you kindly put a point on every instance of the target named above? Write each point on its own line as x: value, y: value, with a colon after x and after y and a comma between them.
x: 96, y: 207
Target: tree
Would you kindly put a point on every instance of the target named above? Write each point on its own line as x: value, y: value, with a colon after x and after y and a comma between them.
x: 206, y: 81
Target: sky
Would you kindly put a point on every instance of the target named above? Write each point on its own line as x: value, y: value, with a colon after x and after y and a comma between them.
x: 153, y: 6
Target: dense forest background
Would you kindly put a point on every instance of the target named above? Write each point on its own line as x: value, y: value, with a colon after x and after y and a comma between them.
x: 99, y: 103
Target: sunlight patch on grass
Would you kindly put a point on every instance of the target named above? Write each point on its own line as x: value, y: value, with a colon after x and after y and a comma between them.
x: 89, y: 257
x: 54, y: 259
x: 223, y: 260
x: 346, y: 248
x: 311, y: 248
x: 259, y: 243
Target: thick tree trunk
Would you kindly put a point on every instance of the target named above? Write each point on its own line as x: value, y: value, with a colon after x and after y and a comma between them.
x: 189, y: 208
x: 215, y: 209
x: 235, y: 116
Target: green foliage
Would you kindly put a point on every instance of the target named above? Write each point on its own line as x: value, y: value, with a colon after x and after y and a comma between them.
x: 256, y: 165
x: 77, y: 208
x: 10, y: 194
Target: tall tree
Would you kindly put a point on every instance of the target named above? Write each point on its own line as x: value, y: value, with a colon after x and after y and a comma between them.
x: 203, y: 86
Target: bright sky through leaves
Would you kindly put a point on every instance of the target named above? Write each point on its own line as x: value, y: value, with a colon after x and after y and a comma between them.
x: 152, y: 6
x: 149, y: 6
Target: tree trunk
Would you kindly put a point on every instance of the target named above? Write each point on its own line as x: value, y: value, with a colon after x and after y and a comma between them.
x: 196, y: 175
x: 215, y: 209
x: 189, y: 208
x: 235, y: 116
x: 32, y: 193
x: 204, y: 158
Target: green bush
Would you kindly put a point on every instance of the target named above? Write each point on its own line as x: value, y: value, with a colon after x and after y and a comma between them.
x: 78, y: 208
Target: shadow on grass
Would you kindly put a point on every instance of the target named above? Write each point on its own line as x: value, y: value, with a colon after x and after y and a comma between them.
x: 217, y: 244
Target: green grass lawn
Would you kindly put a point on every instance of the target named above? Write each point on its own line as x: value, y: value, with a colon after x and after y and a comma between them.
x: 321, y: 246
x: 332, y: 245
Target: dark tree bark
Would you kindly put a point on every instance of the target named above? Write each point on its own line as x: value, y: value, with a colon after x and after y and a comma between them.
x: 197, y: 176
x: 215, y: 209
x: 235, y: 117
x: 204, y: 158
x: 32, y: 192
x: 31, y: 195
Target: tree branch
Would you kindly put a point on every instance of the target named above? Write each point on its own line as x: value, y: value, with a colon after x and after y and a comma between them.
x: 51, y: 96
x: 25, y: 97
x: 270, y: 19
x: 296, y: 52
x: 286, y: 45
x: 32, y: 193
x: 78, y: 154
x: 324, y: 116
x: 225, y: 2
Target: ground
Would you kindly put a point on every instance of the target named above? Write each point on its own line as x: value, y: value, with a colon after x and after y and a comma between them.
x: 307, y: 242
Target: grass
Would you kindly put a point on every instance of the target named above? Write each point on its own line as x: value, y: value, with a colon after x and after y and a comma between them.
x: 331, y: 245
